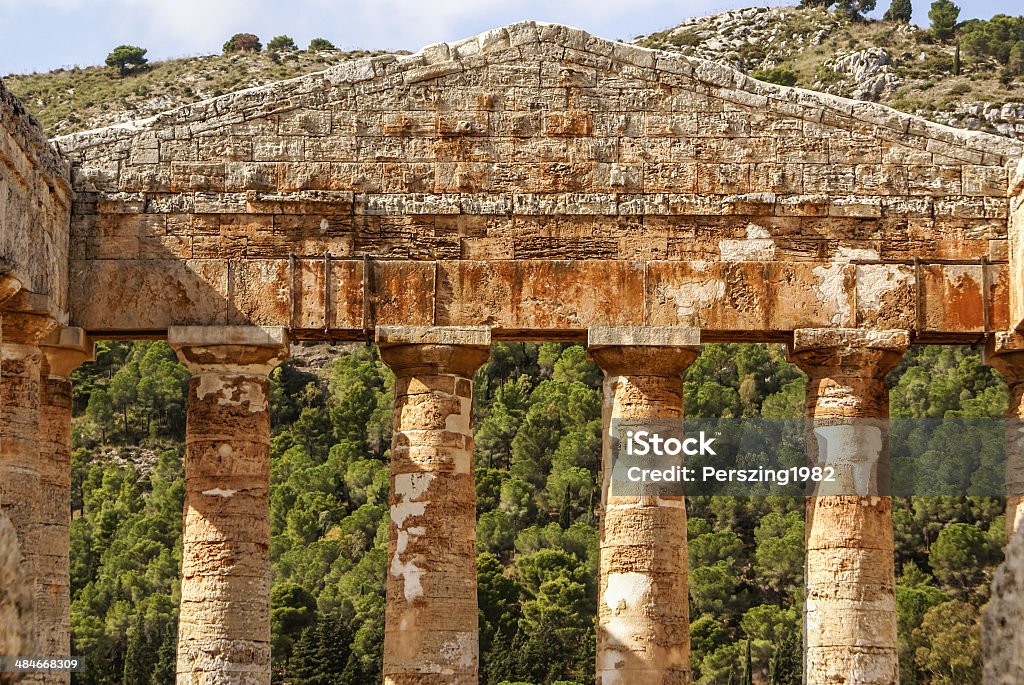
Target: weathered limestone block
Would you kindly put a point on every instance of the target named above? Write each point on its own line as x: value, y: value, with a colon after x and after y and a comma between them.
x: 1002, y: 640
x: 850, y: 605
x: 643, y: 632
x: 15, y: 600
x: 63, y: 352
x: 35, y: 207
x: 430, y: 623
x: 224, y: 621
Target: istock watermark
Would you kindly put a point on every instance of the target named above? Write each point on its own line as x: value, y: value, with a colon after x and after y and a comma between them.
x: 797, y: 457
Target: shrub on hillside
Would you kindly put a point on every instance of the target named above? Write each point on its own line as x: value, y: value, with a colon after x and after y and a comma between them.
x: 281, y: 44
x: 779, y: 75
x: 242, y: 42
x: 855, y: 9
x: 1016, y: 64
x: 318, y: 44
x: 994, y: 38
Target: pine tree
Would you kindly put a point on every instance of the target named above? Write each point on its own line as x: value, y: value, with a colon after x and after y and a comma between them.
x: 956, y: 61
x: 943, y: 15
x: 304, y: 664
x: 785, y: 665
x: 900, y: 10
x: 564, y: 514
x: 165, y: 667
x: 333, y: 648
x: 126, y: 57
x: 138, y: 654
x: 855, y: 9
x: 748, y: 669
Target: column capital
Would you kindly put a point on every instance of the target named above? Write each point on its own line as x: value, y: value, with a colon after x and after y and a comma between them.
x: 27, y: 318
x: 858, y: 351
x: 1004, y: 352
x: 643, y: 350
x: 66, y: 349
x: 9, y: 285
x: 248, y: 350
x: 426, y: 349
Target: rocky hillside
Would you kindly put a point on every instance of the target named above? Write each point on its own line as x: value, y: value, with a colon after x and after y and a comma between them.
x: 69, y: 100
x: 897, y: 64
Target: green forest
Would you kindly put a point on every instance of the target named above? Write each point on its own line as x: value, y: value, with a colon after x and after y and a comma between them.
x: 538, y: 444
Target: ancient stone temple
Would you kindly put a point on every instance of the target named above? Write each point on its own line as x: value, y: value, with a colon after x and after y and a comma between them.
x: 531, y: 183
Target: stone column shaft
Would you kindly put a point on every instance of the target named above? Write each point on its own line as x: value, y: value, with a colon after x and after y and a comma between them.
x: 224, y: 619
x: 20, y: 464
x: 63, y: 352
x: 1002, y: 641
x: 1005, y: 353
x: 850, y: 605
x: 431, y: 634
x: 643, y: 631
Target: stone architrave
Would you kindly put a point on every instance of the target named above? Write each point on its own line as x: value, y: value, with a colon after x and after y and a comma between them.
x: 63, y: 352
x: 850, y: 604
x: 431, y: 634
x: 643, y: 632
x: 224, y: 621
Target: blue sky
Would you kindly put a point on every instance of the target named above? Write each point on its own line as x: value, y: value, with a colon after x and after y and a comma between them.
x: 38, y: 35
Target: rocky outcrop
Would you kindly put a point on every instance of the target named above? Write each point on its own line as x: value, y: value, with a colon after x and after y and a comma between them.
x: 749, y: 39
x: 1005, y: 119
x: 867, y: 74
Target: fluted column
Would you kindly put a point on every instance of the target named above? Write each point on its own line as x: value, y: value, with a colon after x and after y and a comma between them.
x: 643, y: 631
x: 850, y: 605
x: 224, y: 618
x: 431, y: 632
x: 63, y: 352
x: 20, y: 467
x: 1002, y: 640
x: 1005, y: 353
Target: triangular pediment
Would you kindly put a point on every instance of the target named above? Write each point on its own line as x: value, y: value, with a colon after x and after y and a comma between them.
x: 536, y: 153
x: 535, y: 66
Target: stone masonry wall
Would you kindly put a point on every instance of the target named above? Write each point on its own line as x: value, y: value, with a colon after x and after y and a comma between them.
x: 1016, y: 232
x: 35, y: 205
x: 495, y: 179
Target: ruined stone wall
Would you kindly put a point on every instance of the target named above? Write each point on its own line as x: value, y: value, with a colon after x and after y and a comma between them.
x: 35, y: 205
x: 536, y: 178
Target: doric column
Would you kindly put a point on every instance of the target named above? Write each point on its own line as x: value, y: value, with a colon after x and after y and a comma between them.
x: 850, y: 605
x: 1005, y: 353
x: 224, y: 621
x: 430, y: 623
x: 643, y: 631
x: 63, y: 352
x: 20, y: 477
x: 1002, y: 641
